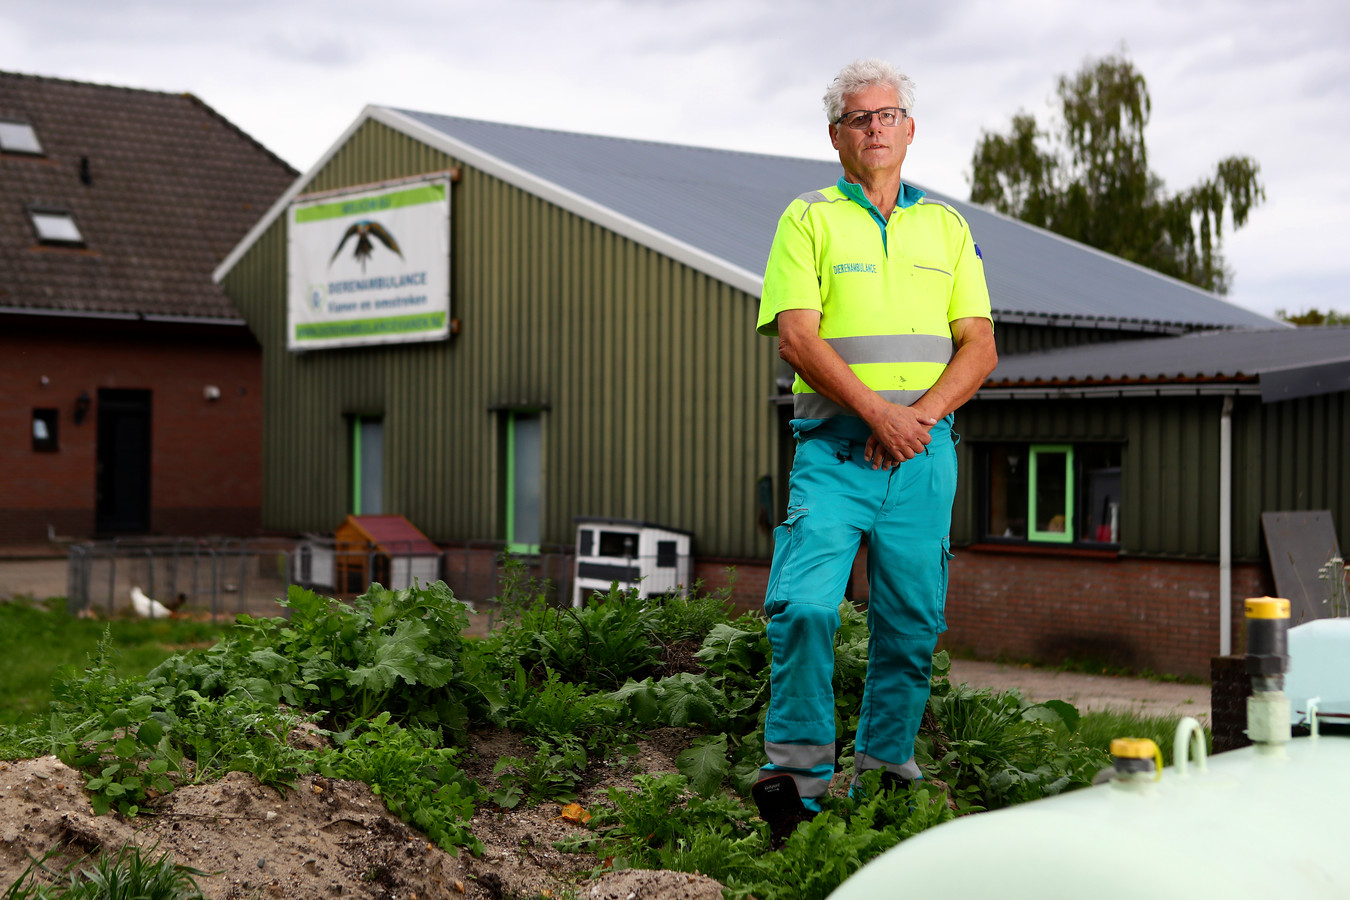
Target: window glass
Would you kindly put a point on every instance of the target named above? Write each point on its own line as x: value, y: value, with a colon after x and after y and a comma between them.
x: 618, y: 543
x: 1060, y: 493
x: 1100, y: 515
x: 1007, y: 474
x: 44, y: 429
x: 55, y: 227
x: 372, y: 466
x: 19, y: 137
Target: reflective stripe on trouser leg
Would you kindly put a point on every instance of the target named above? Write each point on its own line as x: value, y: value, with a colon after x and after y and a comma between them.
x: 811, y: 767
x: 907, y: 575
x: 908, y: 769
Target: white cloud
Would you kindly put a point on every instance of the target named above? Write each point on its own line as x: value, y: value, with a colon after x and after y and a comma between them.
x: 1226, y: 76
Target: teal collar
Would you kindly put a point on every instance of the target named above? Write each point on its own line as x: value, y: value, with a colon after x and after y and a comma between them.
x: 909, y: 195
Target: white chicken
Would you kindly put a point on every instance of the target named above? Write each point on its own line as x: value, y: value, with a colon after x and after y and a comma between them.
x: 148, y: 607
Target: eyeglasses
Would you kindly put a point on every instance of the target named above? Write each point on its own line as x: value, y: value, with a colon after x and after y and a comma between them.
x: 858, y: 119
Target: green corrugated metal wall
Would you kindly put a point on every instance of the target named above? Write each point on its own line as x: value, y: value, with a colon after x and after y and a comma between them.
x: 1294, y: 455
x: 1286, y: 456
x: 653, y: 382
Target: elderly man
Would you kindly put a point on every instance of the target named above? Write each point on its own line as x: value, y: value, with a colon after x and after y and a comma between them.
x: 878, y: 299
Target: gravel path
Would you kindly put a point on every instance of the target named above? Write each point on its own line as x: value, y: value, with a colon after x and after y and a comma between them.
x: 1088, y: 692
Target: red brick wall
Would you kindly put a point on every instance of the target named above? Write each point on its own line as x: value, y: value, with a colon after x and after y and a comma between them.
x: 1159, y: 615
x: 206, y: 456
x: 1139, y: 614
x: 748, y: 578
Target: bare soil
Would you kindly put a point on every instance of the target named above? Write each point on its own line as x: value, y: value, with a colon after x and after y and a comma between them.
x: 327, y: 838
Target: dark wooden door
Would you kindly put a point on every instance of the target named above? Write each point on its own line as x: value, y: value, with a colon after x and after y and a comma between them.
x: 123, y: 500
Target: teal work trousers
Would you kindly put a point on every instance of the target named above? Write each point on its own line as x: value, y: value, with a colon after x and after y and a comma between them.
x: 835, y: 498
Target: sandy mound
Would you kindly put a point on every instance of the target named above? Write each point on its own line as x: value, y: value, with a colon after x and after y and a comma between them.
x: 327, y: 838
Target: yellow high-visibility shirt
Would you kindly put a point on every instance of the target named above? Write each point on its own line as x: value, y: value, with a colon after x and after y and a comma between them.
x: 887, y: 293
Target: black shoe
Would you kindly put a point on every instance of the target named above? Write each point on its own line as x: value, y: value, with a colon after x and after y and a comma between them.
x: 780, y: 805
x: 890, y: 781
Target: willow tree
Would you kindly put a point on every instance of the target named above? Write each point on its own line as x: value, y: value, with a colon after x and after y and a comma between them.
x: 1086, y: 176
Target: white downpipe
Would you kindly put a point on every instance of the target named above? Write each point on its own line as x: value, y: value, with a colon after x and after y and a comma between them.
x: 1226, y: 528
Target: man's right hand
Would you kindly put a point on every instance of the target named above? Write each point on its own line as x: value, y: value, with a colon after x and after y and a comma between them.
x: 898, y: 433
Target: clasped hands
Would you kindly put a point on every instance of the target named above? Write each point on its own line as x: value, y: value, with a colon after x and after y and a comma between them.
x: 898, y: 433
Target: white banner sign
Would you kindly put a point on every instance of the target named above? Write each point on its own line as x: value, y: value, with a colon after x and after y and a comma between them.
x: 371, y: 266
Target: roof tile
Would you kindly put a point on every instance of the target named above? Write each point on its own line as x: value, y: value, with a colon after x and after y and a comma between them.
x: 173, y: 187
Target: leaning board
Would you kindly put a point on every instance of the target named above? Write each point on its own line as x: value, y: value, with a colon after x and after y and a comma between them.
x: 1300, y: 543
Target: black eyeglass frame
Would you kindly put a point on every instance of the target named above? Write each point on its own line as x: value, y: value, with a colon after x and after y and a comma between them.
x: 904, y: 114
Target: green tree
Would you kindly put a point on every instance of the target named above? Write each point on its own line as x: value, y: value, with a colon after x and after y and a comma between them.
x: 1086, y: 176
x: 1314, y: 317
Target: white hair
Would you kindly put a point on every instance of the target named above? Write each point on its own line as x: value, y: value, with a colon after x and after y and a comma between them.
x: 865, y: 73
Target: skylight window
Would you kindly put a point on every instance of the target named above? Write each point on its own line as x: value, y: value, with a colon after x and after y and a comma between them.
x: 55, y: 226
x: 19, y: 137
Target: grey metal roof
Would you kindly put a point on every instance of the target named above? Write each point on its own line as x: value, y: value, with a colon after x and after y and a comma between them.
x: 717, y: 209
x: 728, y: 204
x: 1285, y: 363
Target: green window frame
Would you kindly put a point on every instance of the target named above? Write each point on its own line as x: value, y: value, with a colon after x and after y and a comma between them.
x: 524, y: 480
x: 1050, y: 500
x: 367, y: 488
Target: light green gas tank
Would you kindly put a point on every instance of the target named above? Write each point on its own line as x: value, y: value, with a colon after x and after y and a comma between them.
x: 1248, y: 825
x: 1265, y: 821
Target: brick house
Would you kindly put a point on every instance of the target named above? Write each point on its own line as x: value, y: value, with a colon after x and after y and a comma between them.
x: 130, y: 388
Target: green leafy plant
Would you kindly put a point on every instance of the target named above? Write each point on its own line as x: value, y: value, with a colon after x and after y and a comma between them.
x: 387, y: 651
x: 1333, y: 575
x: 691, y: 616
x: 661, y: 824
x: 601, y: 644
x: 239, y: 734
x: 994, y: 750
x: 565, y: 724
x: 107, y: 726
x: 417, y: 779
x: 551, y: 774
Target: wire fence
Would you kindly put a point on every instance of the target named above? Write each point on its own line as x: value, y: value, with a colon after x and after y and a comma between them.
x: 225, y: 577
x: 222, y: 577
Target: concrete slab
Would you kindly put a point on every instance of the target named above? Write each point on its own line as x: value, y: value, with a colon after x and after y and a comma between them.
x: 1088, y: 692
x: 36, y: 578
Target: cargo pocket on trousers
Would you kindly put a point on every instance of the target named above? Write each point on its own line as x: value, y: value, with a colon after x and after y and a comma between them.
x: 947, y: 557
x: 784, y: 544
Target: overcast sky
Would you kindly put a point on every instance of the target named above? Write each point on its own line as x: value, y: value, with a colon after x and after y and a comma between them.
x: 1270, y: 80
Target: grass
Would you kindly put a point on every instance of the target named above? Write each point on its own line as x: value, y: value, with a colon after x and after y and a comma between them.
x: 35, y: 641
x: 126, y: 875
x: 1099, y: 728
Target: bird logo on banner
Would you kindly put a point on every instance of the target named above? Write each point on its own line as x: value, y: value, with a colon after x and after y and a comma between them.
x: 363, y: 231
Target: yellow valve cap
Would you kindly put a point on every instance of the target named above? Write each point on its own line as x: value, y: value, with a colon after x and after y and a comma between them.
x: 1138, y: 748
x: 1134, y: 748
x: 1267, y: 608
